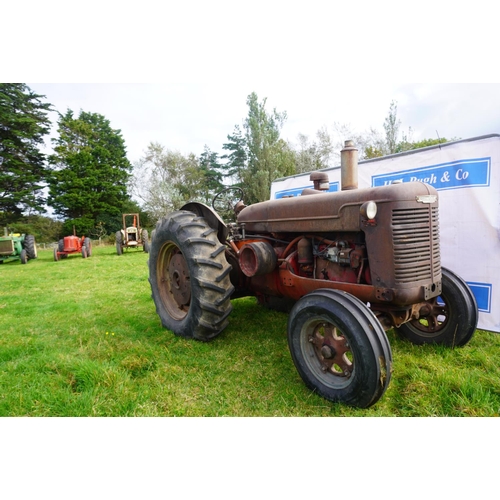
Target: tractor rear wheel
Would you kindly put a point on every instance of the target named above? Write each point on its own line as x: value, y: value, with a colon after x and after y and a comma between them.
x: 452, y: 317
x: 339, y: 348
x: 30, y: 245
x: 119, y: 249
x: 60, y: 246
x: 56, y: 256
x: 189, y: 277
x: 84, y: 252
x: 145, y: 240
x: 87, y: 243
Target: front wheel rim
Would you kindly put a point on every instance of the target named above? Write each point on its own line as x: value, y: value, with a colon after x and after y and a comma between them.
x: 327, y: 354
x: 432, y: 323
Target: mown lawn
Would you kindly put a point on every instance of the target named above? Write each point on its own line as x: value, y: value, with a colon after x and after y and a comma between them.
x: 80, y: 337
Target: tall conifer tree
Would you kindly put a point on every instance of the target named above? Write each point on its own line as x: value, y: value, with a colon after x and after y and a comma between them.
x: 90, y: 171
x: 23, y: 124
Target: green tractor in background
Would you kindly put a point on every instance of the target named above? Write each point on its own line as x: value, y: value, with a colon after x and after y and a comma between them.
x: 16, y: 246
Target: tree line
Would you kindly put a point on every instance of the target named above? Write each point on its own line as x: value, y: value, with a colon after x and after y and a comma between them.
x: 84, y: 180
x: 89, y: 182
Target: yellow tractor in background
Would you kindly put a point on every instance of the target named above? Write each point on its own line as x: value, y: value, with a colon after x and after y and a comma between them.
x: 131, y: 235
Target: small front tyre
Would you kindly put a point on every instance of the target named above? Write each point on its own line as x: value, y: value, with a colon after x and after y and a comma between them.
x: 24, y: 256
x: 450, y: 319
x: 339, y: 348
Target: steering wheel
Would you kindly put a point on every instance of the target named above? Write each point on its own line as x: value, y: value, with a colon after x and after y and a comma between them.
x: 225, y: 201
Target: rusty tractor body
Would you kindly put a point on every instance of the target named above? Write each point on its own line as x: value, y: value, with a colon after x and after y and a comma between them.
x: 346, y: 266
x: 132, y: 235
x: 16, y: 246
x: 73, y: 244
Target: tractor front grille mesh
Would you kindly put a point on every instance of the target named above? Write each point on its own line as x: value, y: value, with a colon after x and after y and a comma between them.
x: 6, y: 247
x: 416, y: 244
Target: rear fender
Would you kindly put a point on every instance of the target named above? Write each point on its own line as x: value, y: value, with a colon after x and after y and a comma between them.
x: 212, y: 218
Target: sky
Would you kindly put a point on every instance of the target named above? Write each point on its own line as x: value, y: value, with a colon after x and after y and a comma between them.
x: 179, y: 73
x: 186, y: 117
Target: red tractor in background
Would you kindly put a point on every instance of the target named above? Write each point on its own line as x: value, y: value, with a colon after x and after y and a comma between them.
x: 73, y: 244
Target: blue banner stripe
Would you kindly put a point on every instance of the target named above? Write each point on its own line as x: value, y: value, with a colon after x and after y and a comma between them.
x: 482, y: 292
x: 453, y: 175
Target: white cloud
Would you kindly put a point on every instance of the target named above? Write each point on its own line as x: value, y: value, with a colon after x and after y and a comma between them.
x: 187, y: 116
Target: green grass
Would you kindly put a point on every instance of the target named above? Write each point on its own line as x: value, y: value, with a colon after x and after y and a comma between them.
x: 80, y: 337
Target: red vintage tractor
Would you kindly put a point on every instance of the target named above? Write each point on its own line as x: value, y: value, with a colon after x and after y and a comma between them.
x: 346, y: 265
x: 73, y: 244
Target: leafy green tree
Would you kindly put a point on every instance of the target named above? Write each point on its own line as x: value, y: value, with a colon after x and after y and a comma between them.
x: 108, y: 224
x: 164, y: 180
x: 314, y: 155
x: 391, y: 127
x: 212, y: 175
x: 373, y: 145
x: 236, y: 159
x: 90, y: 171
x: 23, y: 124
x: 269, y: 156
x: 44, y: 229
x: 406, y: 145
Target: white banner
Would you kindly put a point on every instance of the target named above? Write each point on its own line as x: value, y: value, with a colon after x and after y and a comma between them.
x: 467, y: 176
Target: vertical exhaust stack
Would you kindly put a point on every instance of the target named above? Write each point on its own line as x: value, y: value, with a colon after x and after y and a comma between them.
x: 349, y: 166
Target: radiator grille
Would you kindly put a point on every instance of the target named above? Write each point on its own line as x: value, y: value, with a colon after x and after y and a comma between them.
x: 6, y: 247
x: 415, y: 234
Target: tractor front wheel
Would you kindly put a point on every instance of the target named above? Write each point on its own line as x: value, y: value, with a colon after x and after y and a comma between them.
x: 119, y: 249
x: 145, y: 241
x: 189, y: 277
x: 24, y: 256
x: 451, y: 318
x: 339, y: 348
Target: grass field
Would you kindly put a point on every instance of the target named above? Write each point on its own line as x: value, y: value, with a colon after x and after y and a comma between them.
x: 80, y: 337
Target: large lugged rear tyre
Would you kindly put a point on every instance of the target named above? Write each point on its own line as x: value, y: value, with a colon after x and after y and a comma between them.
x: 60, y: 247
x: 30, y: 246
x: 451, y: 319
x: 145, y: 240
x: 189, y: 277
x: 87, y: 243
x: 339, y: 348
